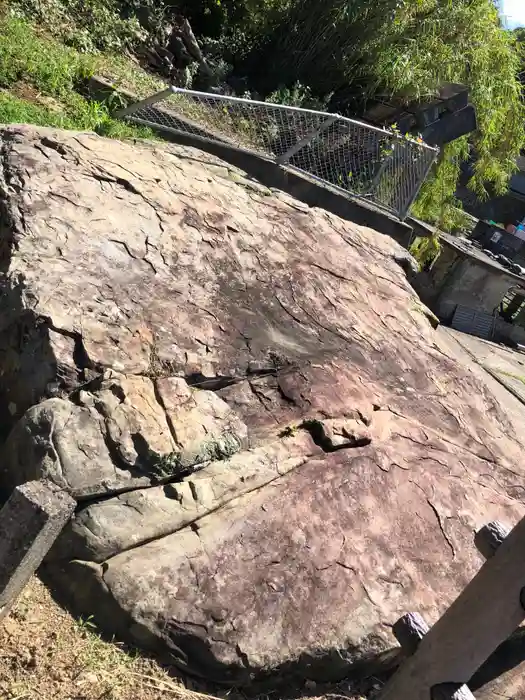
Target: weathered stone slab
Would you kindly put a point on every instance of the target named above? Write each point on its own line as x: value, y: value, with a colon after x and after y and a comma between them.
x: 120, y: 437
x: 254, y: 582
x: 276, y: 454
x: 104, y: 528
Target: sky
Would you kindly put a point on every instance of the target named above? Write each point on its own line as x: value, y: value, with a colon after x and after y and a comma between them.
x: 514, y: 11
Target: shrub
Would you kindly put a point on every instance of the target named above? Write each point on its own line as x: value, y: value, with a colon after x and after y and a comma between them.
x: 86, y: 25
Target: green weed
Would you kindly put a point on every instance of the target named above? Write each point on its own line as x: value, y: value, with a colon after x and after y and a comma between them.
x: 47, y: 64
x: 36, y: 70
x: 510, y: 375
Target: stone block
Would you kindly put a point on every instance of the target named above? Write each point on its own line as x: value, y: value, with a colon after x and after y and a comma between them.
x: 30, y: 522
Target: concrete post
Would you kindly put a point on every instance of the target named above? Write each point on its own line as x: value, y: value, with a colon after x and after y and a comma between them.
x: 30, y: 522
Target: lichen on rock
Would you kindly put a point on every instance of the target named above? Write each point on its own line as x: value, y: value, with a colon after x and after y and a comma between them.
x: 179, y: 463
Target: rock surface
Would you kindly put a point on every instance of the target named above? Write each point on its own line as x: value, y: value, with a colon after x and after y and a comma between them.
x: 274, y: 456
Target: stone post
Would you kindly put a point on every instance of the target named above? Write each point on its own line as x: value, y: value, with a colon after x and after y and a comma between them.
x: 30, y: 522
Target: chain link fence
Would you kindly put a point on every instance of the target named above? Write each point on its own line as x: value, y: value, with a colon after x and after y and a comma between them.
x: 375, y: 164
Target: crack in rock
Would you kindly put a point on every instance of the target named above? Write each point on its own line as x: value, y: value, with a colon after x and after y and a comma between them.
x: 330, y: 441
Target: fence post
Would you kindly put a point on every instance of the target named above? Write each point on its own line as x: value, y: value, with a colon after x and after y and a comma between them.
x: 151, y: 100
x: 405, y: 208
x: 30, y: 522
x: 490, y: 537
x: 409, y: 630
x: 488, y: 610
x: 310, y: 136
x: 379, y: 174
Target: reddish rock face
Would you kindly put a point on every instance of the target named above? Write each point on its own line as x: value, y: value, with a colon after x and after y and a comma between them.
x: 274, y: 455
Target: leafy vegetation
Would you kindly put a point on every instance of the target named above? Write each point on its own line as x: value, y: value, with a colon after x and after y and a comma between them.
x: 39, y: 77
x: 490, y: 63
x: 406, y: 49
x: 89, y: 26
x: 425, y: 249
x: 335, y: 54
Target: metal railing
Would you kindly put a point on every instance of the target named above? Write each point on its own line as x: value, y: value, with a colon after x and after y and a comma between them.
x: 379, y: 165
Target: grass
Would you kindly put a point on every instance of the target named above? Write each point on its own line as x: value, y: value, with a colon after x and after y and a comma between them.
x: 45, y: 654
x: 39, y: 79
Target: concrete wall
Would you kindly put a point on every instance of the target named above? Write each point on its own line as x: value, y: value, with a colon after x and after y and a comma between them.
x: 508, y: 332
x: 474, y: 285
x: 458, y: 279
x: 429, y: 284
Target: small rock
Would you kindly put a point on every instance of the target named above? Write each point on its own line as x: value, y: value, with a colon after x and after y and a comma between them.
x: 10, y: 627
x: 87, y: 678
x: 58, y: 674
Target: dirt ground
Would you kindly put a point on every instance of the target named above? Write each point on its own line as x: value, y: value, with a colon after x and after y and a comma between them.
x: 45, y: 654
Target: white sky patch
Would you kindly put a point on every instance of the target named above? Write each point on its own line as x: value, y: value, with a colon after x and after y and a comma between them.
x: 514, y: 12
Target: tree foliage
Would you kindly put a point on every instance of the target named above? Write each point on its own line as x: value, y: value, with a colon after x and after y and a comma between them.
x: 407, y: 49
x: 464, y: 42
x: 364, y: 50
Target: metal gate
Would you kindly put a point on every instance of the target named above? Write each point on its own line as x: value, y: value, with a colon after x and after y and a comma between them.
x: 474, y: 322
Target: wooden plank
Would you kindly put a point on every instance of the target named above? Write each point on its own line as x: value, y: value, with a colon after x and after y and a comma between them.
x: 503, y: 674
x: 482, y: 617
x: 409, y: 631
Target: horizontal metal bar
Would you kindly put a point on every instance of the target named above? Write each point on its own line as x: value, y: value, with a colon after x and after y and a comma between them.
x: 163, y: 94
x: 151, y: 100
x: 288, y: 108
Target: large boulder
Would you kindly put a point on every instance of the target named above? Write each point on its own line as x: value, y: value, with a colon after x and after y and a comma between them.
x: 273, y: 454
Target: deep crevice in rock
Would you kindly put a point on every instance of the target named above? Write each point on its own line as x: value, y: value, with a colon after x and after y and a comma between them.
x: 169, y: 422
x: 200, y: 381
x: 321, y: 439
x: 88, y: 371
